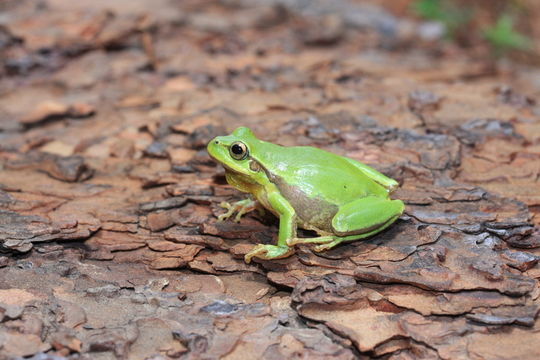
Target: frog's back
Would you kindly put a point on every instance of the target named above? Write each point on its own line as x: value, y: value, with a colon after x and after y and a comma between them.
x: 319, y: 174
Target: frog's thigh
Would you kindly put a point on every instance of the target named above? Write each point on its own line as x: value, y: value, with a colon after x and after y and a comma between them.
x: 366, y: 215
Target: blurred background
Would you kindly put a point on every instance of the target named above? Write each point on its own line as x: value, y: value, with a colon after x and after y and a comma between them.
x: 498, y: 28
x: 481, y: 29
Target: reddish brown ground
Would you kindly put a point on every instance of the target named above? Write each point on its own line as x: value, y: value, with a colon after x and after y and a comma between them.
x: 108, y: 200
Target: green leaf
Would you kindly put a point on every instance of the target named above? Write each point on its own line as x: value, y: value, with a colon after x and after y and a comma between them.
x: 503, y: 37
x: 444, y: 11
x: 429, y: 9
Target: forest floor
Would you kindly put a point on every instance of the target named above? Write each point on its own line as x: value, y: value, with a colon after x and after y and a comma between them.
x: 109, y: 201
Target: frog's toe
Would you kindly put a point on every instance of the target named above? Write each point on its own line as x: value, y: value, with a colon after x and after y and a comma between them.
x: 327, y: 246
x: 268, y: 252
x: 294, y: 241
x: 316, y: 240
x: 225, y: 216
x: 225, y: 205
x: 238, y: 216
x: 228, y: 214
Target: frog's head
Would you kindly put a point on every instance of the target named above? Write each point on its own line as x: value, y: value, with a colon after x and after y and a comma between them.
x: 234, y: 151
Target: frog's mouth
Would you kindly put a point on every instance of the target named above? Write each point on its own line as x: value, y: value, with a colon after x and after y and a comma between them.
x: 230, y: 169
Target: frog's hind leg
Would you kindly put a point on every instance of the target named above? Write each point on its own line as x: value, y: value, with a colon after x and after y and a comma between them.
x: 366, y: 216
x: 315, y: 240
x: 339, y: 239
x: 357, y: 220
x: 327, y: 242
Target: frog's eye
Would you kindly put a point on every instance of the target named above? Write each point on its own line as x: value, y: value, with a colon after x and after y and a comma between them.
x: 238, y: 150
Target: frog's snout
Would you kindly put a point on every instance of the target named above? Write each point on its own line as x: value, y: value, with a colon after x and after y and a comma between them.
x: 213, y: 142
x: 213, y: 146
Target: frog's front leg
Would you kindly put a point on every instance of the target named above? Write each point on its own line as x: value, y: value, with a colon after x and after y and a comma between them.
x: 240, y: 207
x: 287, y: 231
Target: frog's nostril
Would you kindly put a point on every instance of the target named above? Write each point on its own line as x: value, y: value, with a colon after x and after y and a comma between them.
x: 216, y: 142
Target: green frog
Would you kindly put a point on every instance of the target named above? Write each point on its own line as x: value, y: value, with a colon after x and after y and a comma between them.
x: 339, y: 198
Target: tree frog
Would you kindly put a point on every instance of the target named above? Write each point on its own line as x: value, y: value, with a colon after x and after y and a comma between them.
x: 339, y: 198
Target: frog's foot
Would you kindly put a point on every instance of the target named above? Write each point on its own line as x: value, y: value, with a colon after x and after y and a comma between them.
x: 327, y: 242
x: 240, y: 207
x: 328, y: 246
x: 315, y: 240
x: 268, y: 252
x: 228, y: 214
